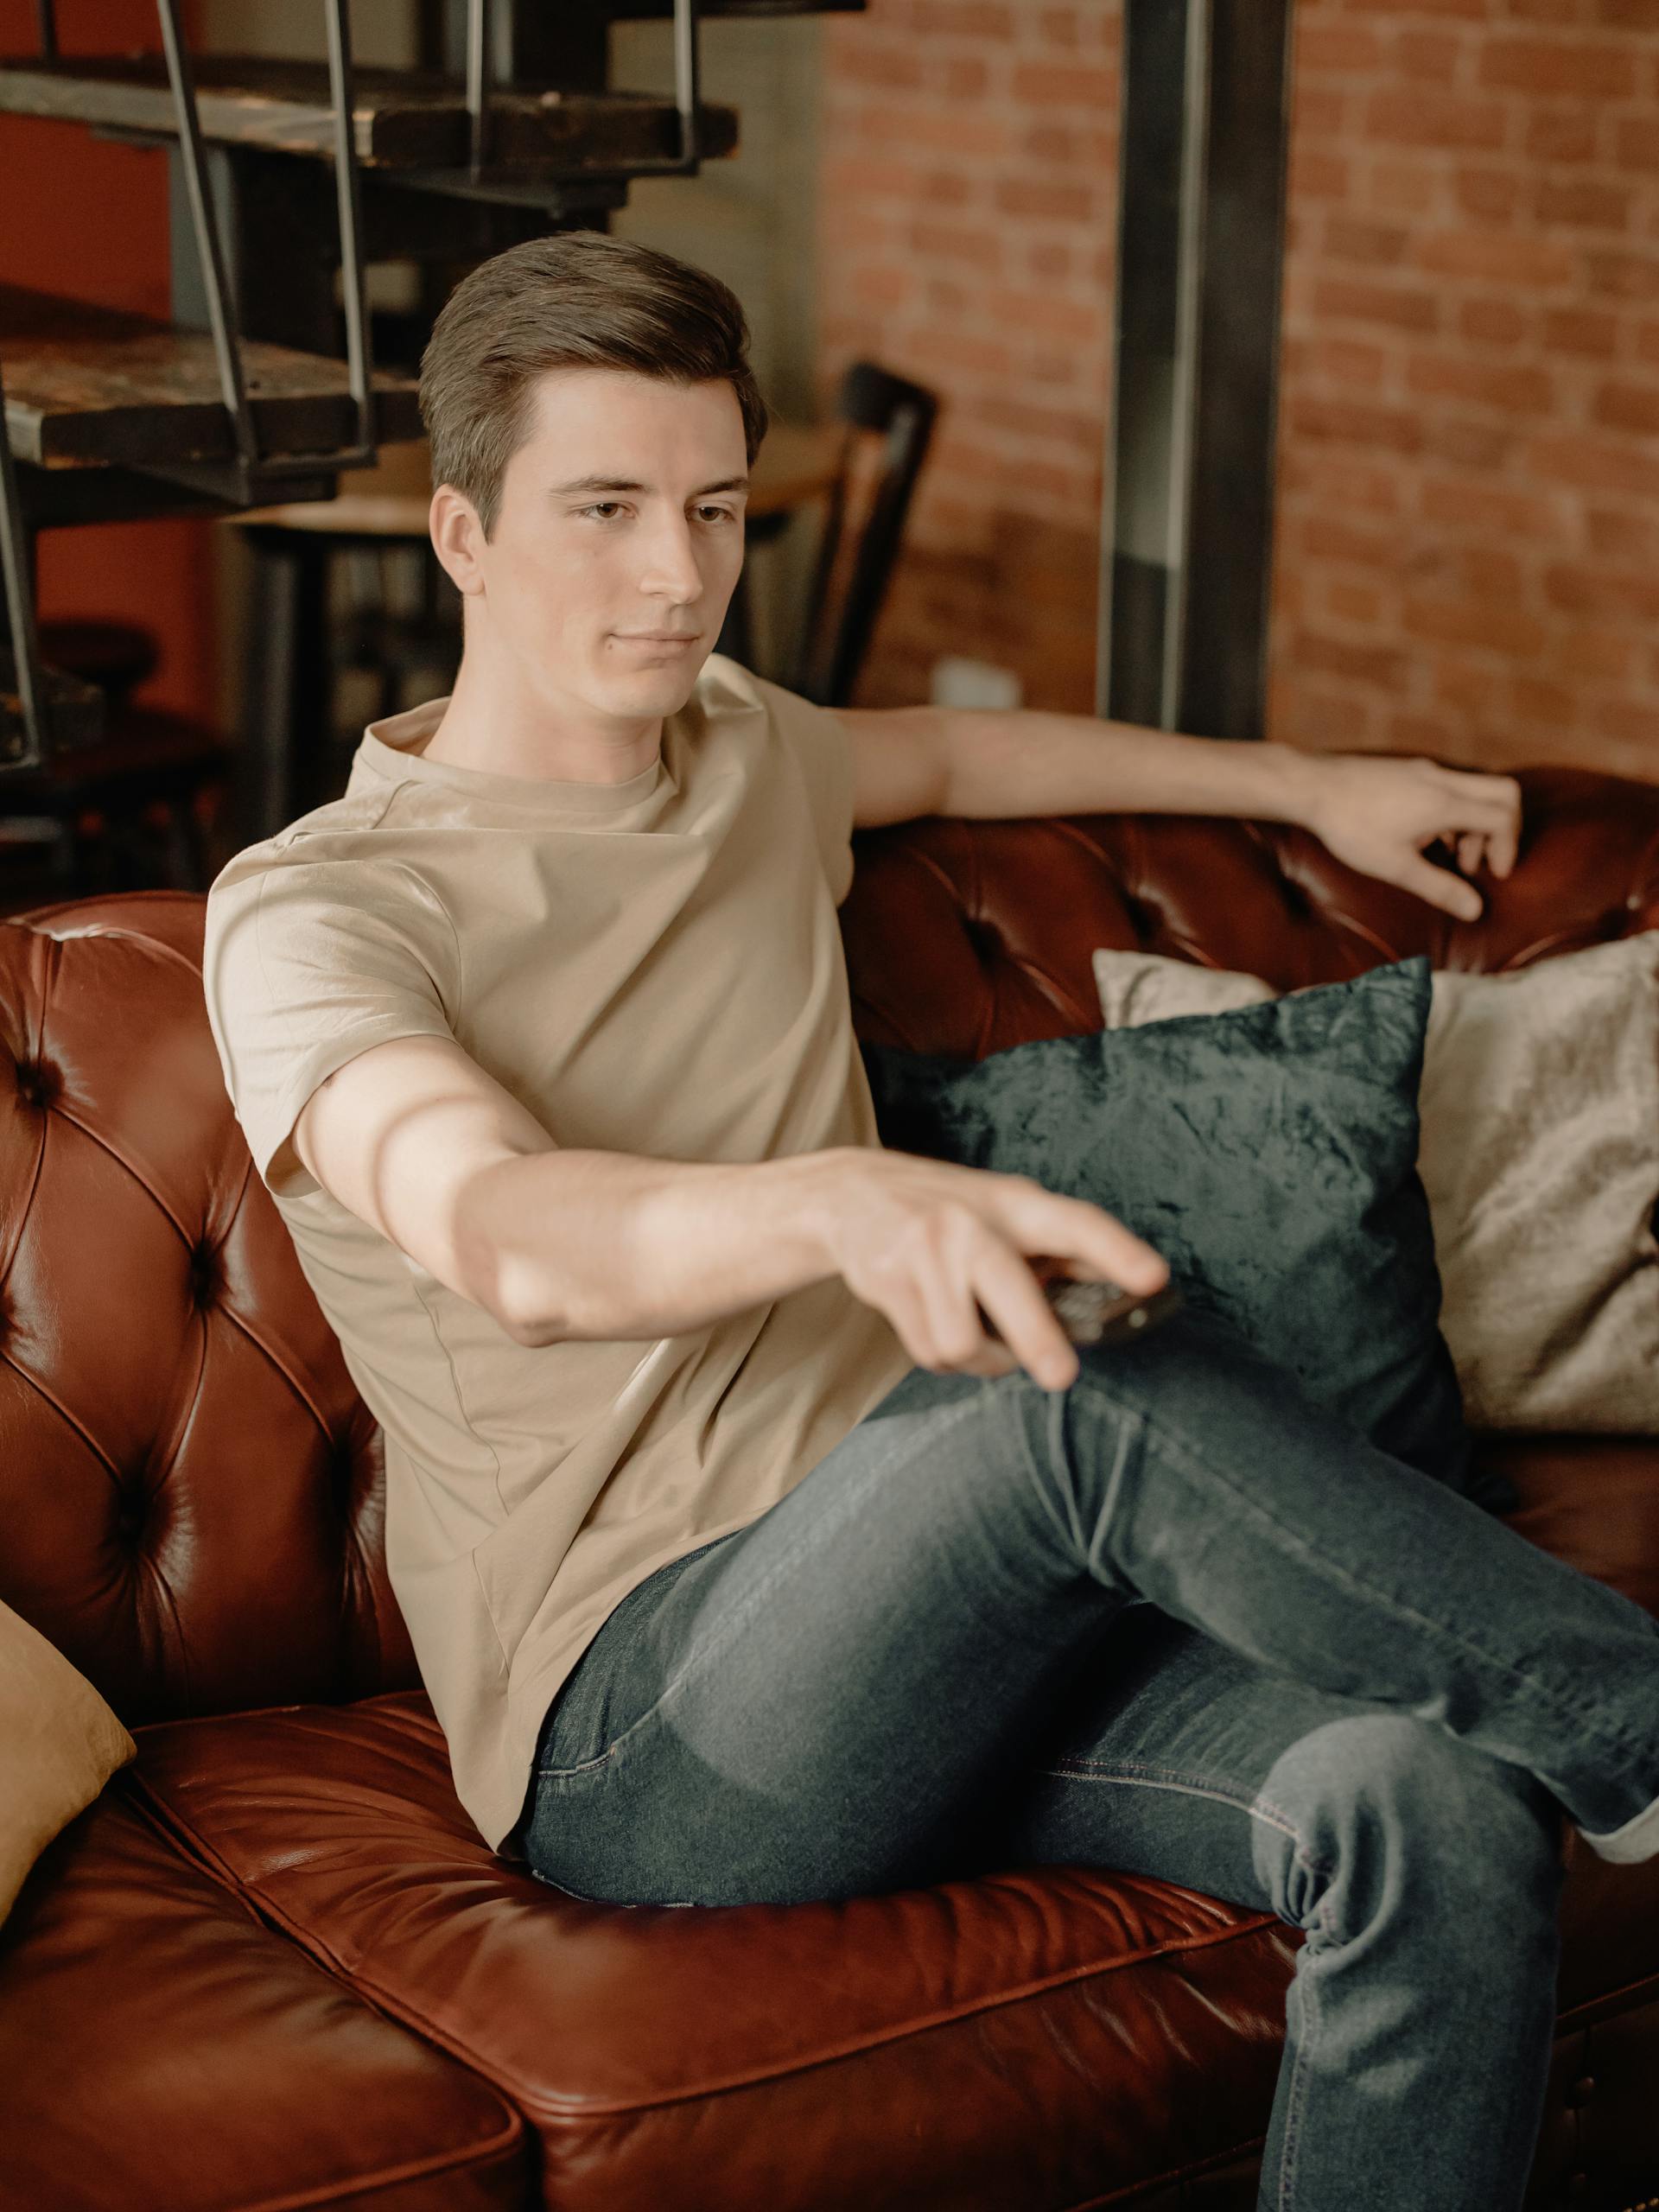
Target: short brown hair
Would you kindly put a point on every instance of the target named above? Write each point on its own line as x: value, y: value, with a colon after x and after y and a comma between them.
x: 576, y: 299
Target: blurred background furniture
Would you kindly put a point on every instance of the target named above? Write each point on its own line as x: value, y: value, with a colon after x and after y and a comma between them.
x: 132, y: 811
x: 274, y: 1963
x: 864, y: 525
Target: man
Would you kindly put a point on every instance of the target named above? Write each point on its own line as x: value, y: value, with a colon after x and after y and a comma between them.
x: 740, y: 1562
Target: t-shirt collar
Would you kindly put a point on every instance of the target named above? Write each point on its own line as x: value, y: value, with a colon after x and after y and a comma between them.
x: 383, y: 749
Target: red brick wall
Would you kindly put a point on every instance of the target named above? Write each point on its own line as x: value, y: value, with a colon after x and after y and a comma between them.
x: 89, y: 218
x: 968, y: 189
x: 1468, y: 556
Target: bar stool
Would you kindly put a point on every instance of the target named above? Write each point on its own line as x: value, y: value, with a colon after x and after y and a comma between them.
x: 133, y: 812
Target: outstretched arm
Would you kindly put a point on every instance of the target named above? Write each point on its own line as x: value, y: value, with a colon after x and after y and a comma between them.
x: 1375, y: 813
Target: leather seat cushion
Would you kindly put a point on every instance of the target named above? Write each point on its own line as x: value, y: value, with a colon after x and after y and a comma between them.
x: 1591, y: 1500
x: 161, y: 2051
x: 1031, y: 2037
x: 1040, y: 2035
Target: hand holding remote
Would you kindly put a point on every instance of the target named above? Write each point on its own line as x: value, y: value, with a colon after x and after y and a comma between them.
x: 967, y: 1262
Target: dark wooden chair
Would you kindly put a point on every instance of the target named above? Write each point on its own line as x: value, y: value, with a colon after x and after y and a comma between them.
x: 863, y: 528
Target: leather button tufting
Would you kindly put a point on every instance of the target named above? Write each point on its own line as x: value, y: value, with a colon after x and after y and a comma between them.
x: 1581, y: 2091
x: 37, y: 1085
x: 130, y: 1514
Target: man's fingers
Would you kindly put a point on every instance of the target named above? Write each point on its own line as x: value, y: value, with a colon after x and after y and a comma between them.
x: 1096, y: 1244
x: 1441, y: 888
x: 1490, y: 808
x: 1016, y: 1307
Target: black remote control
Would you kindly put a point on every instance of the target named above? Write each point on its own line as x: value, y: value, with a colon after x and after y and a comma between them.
x: 1095, y: 1313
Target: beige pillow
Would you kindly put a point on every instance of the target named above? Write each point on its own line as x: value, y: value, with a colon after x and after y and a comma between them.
x: 59, y: 1745
x: 1540, y: 1154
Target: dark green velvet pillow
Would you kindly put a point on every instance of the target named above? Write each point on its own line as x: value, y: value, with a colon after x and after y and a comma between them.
x: 1270, y: 1154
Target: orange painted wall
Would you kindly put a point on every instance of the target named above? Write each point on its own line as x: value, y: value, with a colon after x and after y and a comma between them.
x: 88, y: 218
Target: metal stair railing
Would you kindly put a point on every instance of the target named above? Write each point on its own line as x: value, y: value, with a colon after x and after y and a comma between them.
x: 688, y: 72
x: 221, y: 313
x: 18, y: 587
x: 251, y: 462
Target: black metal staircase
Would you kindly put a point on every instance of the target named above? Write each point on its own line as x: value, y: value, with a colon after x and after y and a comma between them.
x: 262, y: 384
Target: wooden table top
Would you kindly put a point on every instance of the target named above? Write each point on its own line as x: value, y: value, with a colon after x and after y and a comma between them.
x: 796, y: 463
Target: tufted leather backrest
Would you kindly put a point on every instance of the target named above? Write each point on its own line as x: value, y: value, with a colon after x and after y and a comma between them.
x: 190, y: 1486
x: 191, y: 1490
x: 968, y: 936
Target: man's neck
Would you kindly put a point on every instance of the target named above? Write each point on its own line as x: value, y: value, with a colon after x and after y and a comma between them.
x: 492, y: 723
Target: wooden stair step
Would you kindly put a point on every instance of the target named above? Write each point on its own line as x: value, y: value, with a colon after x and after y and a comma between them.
x: 87, y: 386
x: 404, y: 119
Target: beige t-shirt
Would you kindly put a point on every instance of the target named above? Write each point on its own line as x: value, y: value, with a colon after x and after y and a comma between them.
x: 651, y: 966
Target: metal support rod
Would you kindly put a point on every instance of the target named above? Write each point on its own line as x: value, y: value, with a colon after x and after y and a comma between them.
x: 220, y: 313
x: 1186, y: 516
x: 478, y: 84
x: 687, y: 96
x: 349, y: 198
x: 46, y: 23
x: 19, y: 583
x: 1189, y: 286
x: 686, y: 78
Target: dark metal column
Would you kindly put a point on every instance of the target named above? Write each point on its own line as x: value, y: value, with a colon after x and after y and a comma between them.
x: 1186, y: 523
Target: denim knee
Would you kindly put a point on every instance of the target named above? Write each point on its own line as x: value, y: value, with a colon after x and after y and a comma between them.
x: 1384, y: 1814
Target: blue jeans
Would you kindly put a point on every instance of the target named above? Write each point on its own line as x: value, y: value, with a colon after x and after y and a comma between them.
x: 1177, y: 1620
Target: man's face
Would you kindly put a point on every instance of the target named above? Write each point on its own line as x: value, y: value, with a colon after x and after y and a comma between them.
x: 621, y: 514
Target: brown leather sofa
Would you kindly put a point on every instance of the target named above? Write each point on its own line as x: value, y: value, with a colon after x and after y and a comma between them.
x: 274, y: 1966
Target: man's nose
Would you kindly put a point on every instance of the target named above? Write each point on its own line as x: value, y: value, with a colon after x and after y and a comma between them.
x: 671, y: 568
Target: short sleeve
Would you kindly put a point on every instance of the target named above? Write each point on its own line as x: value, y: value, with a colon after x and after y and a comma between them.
x: 822, y: 743
x: 305, y: 964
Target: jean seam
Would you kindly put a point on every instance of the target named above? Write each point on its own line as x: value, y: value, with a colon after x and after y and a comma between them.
x: 1138, y: 1775
x: 619, y: 1905
x: 853, y: 1493
x: 1185, y: 1449
x: 1054, y: 1410
x: 1296, y: 2090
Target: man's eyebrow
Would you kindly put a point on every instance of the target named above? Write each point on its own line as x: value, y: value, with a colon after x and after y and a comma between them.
x: 621, y: 483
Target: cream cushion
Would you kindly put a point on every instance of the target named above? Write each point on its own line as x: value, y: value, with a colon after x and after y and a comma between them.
x: 1539, y: 1155
x: 60, y: 1744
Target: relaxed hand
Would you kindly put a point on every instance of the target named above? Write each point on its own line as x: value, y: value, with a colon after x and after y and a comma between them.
x: 1377, y: 816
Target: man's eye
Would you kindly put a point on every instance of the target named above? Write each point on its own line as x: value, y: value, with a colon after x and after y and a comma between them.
x: 721, y: 514
x: 594, y: 510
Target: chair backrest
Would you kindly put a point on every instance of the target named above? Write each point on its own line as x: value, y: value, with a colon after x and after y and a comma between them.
x: 847, y: 594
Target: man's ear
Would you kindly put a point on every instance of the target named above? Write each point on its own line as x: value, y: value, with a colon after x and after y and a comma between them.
x: 457, y: 538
